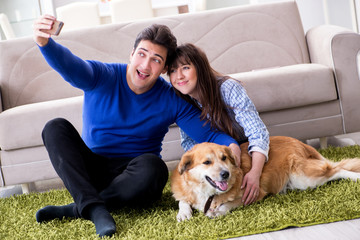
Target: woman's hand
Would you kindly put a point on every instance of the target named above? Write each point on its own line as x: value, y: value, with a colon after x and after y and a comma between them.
x: 42, y: 23
x: 251, y: 181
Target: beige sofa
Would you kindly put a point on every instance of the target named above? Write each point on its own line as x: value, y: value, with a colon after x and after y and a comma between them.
x: 305, y: 86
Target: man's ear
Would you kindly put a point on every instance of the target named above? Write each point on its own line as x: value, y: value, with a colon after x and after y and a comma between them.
x: 164, y: 70
x: 185, y: 162
x: 132, y: 54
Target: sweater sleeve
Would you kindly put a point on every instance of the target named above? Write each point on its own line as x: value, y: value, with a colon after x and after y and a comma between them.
x: 189, y: 121
x: 77, y: 72
x: 246, y: 115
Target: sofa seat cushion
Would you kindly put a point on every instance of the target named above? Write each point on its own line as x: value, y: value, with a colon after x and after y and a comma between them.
x: 21, y: 127
x: 289, y: 87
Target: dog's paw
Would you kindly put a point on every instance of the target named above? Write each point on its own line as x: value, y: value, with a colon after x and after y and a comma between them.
x: 210, y: 213
x: 185, y: 211
x: 184, y: 215
x: 214, y: 214
x: 217, y: 212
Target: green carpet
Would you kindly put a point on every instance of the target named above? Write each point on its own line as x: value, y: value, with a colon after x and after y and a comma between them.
x: 335, y: 201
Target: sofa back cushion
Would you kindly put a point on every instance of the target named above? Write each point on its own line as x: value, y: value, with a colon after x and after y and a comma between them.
x: 289, y: 87
x: 237, y: 39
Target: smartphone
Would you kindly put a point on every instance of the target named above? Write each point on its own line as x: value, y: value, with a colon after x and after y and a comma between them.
x: 56, y: 28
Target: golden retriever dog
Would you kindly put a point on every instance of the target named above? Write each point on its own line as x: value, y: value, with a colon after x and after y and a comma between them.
x: 207, y: 178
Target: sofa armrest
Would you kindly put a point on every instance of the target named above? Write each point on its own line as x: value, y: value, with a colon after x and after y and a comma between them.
x: 338, y: 49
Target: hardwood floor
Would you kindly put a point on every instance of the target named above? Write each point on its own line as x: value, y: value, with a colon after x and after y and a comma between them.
x: 344, y: 230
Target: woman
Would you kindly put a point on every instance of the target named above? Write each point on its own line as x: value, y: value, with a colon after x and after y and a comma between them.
x: 225, y: 104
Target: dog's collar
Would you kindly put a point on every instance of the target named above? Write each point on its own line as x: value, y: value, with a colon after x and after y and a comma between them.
x: 208, y: 203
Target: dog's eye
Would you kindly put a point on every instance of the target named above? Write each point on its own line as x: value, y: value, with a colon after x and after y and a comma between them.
x: 207, y: 162
x: 223, y: 158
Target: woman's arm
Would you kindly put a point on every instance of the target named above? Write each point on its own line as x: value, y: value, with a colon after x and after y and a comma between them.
x: 187, y: 142
x: 188, y: 120
x: 247, y: 117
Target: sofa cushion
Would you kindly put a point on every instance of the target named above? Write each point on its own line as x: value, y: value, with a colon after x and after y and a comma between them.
x: 31, y: 119
x: 288, y: 87
x: 32, y: 164
x: 21, y: 127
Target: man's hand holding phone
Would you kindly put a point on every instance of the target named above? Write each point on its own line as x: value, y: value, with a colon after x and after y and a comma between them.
x: 44, y: 27
x: 56, y: 28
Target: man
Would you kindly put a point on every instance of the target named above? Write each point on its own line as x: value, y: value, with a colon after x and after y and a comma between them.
x: 126, y: 114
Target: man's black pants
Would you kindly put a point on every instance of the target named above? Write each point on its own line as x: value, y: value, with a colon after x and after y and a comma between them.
x: 91, y: 178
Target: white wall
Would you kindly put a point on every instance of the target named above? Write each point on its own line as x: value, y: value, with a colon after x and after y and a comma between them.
x: 357, y: 17
x: 21, y: 14
x: 339, y: 12
x: 334, y: 12
x: 212, y: 4
x: 313, y: 12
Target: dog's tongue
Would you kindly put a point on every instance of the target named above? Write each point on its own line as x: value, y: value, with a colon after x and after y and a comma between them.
x: 222, y: 185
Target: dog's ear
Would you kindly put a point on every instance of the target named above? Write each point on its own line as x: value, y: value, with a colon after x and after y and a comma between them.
x: 231, y: 156
x: 185, y: 162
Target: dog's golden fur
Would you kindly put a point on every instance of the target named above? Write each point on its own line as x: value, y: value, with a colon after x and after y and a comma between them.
x: 210, y: 170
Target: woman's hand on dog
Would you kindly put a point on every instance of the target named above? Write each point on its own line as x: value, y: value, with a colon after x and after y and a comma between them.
x: 251, y: 181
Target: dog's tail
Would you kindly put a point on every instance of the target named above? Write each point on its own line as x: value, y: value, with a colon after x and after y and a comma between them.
x: 351, y: 164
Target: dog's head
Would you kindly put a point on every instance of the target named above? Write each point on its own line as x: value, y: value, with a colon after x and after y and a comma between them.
x: 210, y: 165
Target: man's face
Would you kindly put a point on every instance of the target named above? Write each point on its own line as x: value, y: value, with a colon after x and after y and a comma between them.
x: 147, y: 62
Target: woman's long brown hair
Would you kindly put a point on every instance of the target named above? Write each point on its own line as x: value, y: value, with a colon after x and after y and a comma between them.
x: 208, y: 87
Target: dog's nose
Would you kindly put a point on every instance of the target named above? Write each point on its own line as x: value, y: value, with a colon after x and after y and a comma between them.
x: 224, y: 174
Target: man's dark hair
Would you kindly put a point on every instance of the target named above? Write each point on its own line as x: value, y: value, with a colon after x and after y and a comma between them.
x: 161, y: 35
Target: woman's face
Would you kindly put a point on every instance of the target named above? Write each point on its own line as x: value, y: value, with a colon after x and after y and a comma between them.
x: 184, y: 79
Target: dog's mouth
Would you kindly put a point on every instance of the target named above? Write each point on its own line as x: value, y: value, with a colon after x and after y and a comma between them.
x: 222, y: 185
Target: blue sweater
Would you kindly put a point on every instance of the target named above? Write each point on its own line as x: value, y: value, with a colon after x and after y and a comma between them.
x: 116, y: 121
